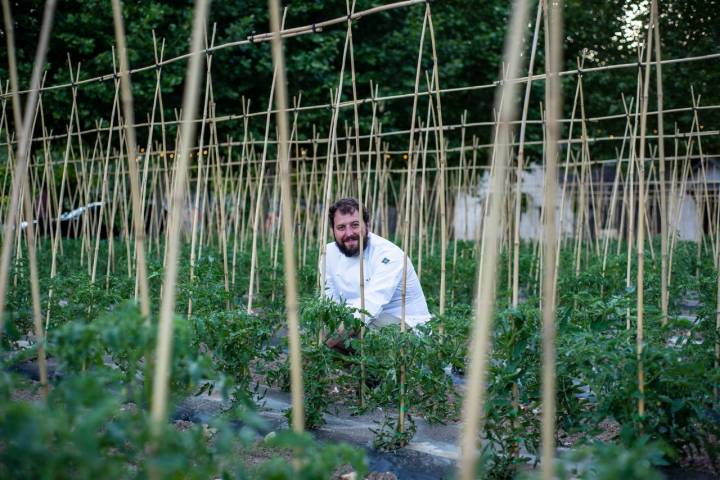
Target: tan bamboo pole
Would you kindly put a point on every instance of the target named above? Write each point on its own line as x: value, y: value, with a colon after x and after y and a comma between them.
x: 291, y: 302
x: 201, y: 179
x: 86, y: 184
x: 631, y: 192
x: 623, y: 209
x: 206, y: 204
x: 258, y: 197
x: 407, y: 212
x: 25, y: 132
x: 23, y: 125
x: 664, y: 298
x: 250, y: 188
x: 104, y: 182
x: 717, y: 221
x: 682, y: 193
x: 111, y: 222
x: 125, y: 226
x: 581, y: 216
x: 382, y: 195
x: 441, y: 157
x: 129, y: 118
x: 518, y: 174
x: 153, y: 233
x: 361, y: 203
x: 239, y: 210
x: 310, y: 224
x: 479, y: 345
x: 705, y: 193
x: 566, y: 169
x: 422, y: 212
x: 51, y: 205
x: 220, y: 194
x: 300, y: 179
x: 43, y: 180
x: 275, y: 230
x: 346, y: 179
x: 515, y: 288
x: 493, y: 171
x: 332, y: 140
x: 157, y: 99
x: 165, y: 327
x: 641, y: 225
x: 56, y: 238
x: 553, y: 102
x: 650, y: 180
x: 717, y: 319
x: 462, y: 190
x: 613, y: 199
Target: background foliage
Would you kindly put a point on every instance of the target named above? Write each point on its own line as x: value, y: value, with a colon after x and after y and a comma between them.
x: 469, y: 34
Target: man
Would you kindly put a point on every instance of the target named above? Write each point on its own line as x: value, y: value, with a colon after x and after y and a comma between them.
x: 383, y: 271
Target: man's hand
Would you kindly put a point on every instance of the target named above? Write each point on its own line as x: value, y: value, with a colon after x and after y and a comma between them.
x: 338, y: 338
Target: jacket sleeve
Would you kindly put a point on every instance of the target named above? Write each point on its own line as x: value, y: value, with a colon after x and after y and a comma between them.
x: 387, y: 275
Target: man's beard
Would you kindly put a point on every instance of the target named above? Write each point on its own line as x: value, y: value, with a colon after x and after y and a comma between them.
x: 351, y: 252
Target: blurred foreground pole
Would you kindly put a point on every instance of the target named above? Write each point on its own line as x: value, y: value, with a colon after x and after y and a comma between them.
x: 291, y: 301
x: 20, y: 180
x: 553, y: 102
x: 163, y: 353
x: 485, y: 302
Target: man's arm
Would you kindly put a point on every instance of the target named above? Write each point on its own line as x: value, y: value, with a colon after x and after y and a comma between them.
x: 387, y: 275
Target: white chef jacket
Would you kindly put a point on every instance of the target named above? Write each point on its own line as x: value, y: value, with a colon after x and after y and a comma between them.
x: 383, y: 262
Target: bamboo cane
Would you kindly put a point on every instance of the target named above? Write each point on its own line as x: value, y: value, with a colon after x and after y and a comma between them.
x: 21, y: 186
x: 165, y: 326
x: 641, y: 225
x: 518, y: 174
x: 258, y: 197
x: 104, y: 184
x: 661, y: 166
x: 479, y: 346
x: 332, y: 135
x: 129, y: 115
x: 441, y: 170
x: 409, y: 187
x: 24, y: 123
x: 202, y: 179
x: 631, y: 191
x: 553, y: 102
x: 296, y: 380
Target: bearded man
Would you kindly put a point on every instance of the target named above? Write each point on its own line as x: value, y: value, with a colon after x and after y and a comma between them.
x: 382, y: 267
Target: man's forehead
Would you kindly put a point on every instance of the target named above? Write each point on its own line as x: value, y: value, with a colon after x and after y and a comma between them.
x: 349, y: 217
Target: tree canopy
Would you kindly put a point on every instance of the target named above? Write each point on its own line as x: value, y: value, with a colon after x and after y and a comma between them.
x: 469, y: 37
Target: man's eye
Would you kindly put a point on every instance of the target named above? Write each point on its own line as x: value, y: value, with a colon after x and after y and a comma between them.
x: 355, y: 225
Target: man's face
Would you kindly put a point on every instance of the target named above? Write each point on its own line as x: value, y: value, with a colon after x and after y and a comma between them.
x: 346, y: 230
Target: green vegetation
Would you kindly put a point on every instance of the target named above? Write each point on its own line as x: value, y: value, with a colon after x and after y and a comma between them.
x: 97, y: 339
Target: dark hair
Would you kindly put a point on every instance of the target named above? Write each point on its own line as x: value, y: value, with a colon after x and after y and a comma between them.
x: 346, y: 206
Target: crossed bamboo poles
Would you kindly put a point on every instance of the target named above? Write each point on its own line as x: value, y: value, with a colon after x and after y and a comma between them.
x: 214, y: 182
